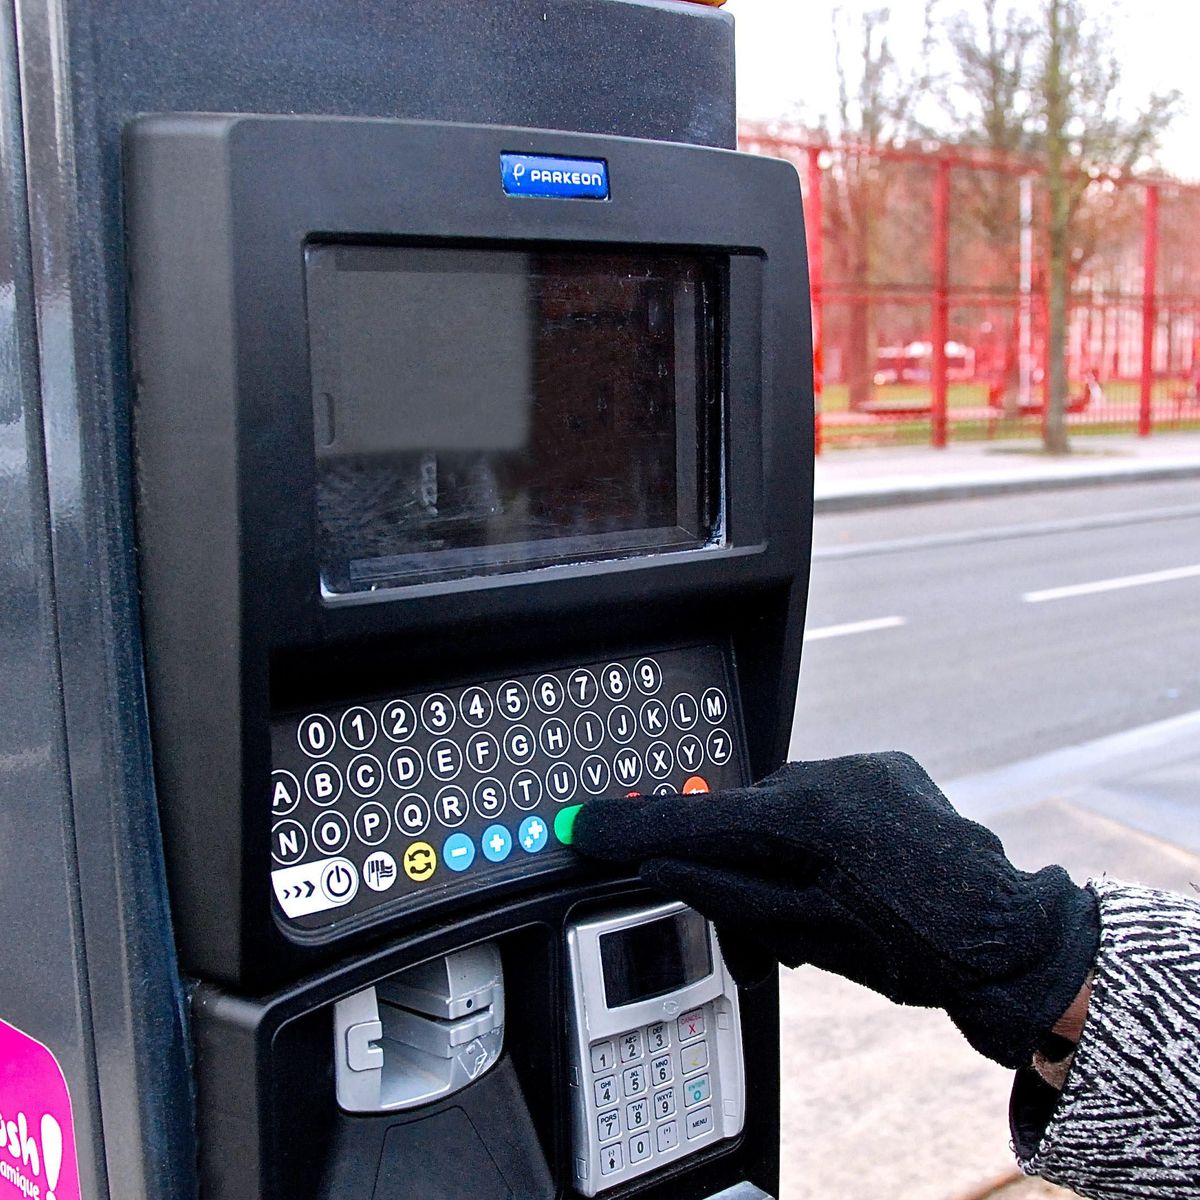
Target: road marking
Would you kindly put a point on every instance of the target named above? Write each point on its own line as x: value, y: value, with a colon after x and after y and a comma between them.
x: 1111, y: 585
x: 850, y: 627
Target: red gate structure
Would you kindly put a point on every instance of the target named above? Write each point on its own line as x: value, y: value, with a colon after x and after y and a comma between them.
x: 928, y: 274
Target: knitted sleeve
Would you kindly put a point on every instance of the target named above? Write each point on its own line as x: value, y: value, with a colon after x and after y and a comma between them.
x: 1127, y: 1123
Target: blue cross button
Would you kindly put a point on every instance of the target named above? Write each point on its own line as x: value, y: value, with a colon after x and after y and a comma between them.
x: 458, y: 852
x: 532, y: 834
x: 496, y: 843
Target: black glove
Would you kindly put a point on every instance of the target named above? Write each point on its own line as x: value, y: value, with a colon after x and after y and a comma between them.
x: 862, y: 867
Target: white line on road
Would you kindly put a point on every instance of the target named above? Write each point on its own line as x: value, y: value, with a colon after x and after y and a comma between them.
x: 832, y: 631
x: 1111, y: 585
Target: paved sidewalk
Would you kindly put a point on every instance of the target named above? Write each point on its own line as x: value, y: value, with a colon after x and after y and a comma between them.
x: 886, y: 1101
x: 854, y: 479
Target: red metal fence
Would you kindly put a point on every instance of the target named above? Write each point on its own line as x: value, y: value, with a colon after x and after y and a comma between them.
x: 929, y: 279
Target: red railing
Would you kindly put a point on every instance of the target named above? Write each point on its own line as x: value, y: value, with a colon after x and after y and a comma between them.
x: 928, y: 275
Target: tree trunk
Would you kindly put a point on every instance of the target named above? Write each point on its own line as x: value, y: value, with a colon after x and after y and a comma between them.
x: 1054, y: 427
x: 860, y: 354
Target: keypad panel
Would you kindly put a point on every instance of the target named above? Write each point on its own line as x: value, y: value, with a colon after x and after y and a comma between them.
x: 453, y: 789
x: 642, y: 1121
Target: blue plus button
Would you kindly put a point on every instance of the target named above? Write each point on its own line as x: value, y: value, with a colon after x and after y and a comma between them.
x: 496, y: 843
x: 458, y: 852
x: 532, y: 834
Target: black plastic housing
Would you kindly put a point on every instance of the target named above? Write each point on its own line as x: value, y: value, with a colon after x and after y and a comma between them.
x: 219, y: 211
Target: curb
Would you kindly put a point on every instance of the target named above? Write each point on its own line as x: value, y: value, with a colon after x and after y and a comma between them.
x: 934, y: 491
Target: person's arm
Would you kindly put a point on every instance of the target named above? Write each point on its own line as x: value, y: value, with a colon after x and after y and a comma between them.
x: 861, y: 866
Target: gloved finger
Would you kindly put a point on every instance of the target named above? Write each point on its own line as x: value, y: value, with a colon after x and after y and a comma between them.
x: 749, y: 961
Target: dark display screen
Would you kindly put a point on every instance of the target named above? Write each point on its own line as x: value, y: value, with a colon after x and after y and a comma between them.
x: 651, y: 960
x: 483, y: 411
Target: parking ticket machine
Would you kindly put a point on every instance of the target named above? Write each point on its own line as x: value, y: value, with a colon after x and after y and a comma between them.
x: 472, y: 466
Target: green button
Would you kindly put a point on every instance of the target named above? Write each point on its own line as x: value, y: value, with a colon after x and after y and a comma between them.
x: 564, y: 823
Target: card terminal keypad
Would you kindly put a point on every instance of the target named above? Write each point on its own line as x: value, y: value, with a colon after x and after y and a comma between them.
x: 644, y: 1112
x: 457, y: 788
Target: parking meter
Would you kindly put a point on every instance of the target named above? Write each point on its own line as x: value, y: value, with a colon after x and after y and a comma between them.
x: 454, y: 430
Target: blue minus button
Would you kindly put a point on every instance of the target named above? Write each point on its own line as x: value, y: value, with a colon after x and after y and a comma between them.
x: 458, y: 852
x: 556, y: 178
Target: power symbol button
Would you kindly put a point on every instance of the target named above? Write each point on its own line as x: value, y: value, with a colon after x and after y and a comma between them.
x: 339, y: 881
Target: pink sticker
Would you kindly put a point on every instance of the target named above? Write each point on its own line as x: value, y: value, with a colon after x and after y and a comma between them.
x: 37, y: 1133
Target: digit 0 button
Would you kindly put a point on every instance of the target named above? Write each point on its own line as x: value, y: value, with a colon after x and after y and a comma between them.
x: 316, y: 735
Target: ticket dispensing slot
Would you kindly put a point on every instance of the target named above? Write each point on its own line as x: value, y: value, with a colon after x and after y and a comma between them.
x: 458, y: 507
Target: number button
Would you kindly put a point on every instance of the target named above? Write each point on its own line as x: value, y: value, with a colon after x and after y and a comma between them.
x: 622, y: 725
x: 637, y: 1114
x: 606, y: 1090
x: 615, y: 681
x: 285, y: 793
x: 608, y: 1124
x: 639, y: 1147
x: 612, y: 1159
x: 631, y: 1046
x: 660, y: 760
x: 589, y: 731
x: 288, y: 842
x: 602, y: 1056
x: 513, y: 700
x: 660, y: 1070
x: 696, y: 1091
x: 437, y: 713
x: 667, y: 1136
x: 582, y: 687
x: 476, y: 707
x: 647, y: 675
x: 323, y: 783
x: 684, y: 711
x: 658, y: 1037
x: 399, y: 720
x: 358, y: 728
x: 714, y: 706
x: 412, y: 814
x: 664, y: 1103
x: 316, y: 735
x: 633, y: 1081
x: 365, y: 775
x: 548, y: 694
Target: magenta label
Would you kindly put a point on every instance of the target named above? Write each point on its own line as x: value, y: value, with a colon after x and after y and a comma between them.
x: 37, y: 1133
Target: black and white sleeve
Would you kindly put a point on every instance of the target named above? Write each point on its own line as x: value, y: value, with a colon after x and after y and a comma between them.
x: 1127, y: 1122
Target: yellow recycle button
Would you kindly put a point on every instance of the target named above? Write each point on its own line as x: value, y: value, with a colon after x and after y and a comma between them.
x: 420, y: 861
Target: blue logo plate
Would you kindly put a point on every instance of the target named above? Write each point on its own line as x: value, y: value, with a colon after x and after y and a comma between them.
x: 558, y: 178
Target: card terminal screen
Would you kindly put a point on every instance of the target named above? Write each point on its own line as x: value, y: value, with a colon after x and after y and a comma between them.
x: 480, y: 411
x: 644, y: 961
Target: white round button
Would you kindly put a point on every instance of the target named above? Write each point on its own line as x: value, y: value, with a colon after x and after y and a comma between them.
x: 714, y: 706
x: 316, y: 735
x: 288, y: 842
x: 548, y: 694
x: 412, y: 814
x: 365, y: 775
x: 405, y: 767
x: 358, y: 727
x: 647, y: 674
x: 513, y: 700
x: 372, y: 823
x: 285, y: 793
x: 331, y: 832
x: 437, y: 713
x: 399, y: 720
x: 614, y: 679
x: 476, y: 707
x: 323, y: 783
x: 379, y: 871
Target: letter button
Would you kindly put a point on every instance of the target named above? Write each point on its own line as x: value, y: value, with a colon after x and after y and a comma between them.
x: 714, y: 706
x: 288, y: 842
x: 365, y: 775
x: 519, y: 745
x: 612, y: 1159
x: 323, y: 783
x: 450, y: 806
x: 633, y: 1081
x: 412, y: 814
x: 720, y: 747
x: 330, y: 833
x: 285, y: 793
x: 639, y: 1147
x: 622, y: 724
x: 372, y: 823
x: 483, y: 752
x: 606, y: 1090
x: 602, y: 1056
x: 445, y: 759
x: 684, y: 711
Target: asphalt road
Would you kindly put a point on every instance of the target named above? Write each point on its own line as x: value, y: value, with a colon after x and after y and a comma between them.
x: 942, y: 629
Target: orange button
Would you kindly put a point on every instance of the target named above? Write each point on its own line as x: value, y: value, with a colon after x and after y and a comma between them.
x: 697, y: 783
x: 632, y: 795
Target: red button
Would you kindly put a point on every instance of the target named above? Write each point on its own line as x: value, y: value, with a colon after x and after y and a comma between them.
x: 632, y: 795
x: 697, y: 783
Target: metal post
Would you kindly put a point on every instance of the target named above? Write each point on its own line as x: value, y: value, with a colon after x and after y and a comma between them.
x: 814, y: 228
x: 1149, y: 279
x: 941, y: 299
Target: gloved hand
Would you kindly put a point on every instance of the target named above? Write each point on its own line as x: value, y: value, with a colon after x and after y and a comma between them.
x: 861, y: 866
